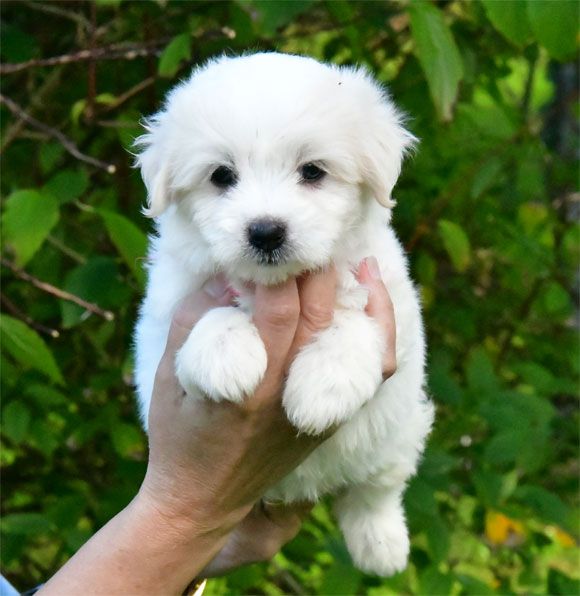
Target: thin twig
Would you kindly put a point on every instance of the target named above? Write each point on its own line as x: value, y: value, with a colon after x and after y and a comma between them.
x: 57, y: 11
x: 62, y: 138
x: 109, y: 107
x: 37, y: 100
x: 69, y: 252
x: 12, y: 308
x: 54, y: 291
x: 92, y: 67
x: 113, y: 52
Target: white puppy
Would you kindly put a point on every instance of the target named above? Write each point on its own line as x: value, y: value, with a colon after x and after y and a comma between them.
x: 262, y: 167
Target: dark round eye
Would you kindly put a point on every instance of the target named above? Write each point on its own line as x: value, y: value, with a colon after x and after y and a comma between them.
x: 223, y: 177
x: 311, y: 173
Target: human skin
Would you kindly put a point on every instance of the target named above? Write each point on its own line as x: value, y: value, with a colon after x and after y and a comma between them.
x: 209, y: 463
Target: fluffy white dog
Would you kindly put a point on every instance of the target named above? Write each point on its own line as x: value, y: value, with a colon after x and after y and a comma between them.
x: 262, y: 167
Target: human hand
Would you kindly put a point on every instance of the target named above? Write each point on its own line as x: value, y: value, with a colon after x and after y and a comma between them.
x: 210, y: 462
x: 268, y: 526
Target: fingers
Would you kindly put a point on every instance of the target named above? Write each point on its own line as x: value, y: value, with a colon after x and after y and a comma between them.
x: 276, y: 315
x: 380, y: 308
x: 214, y: 293
x: 280, y: 513
x: 317, y: 299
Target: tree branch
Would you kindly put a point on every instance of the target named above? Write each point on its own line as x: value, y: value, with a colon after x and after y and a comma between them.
x: 67, y: 143
x: 12, y: 308
x: 54, y: 291
x: 113, y: 52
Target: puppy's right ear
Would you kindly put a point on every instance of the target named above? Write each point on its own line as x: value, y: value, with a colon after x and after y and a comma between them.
x: 154, y: 162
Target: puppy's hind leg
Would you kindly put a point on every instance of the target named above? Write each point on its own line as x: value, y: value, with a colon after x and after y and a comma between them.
x: 223, y: 357
x: 372, y: 521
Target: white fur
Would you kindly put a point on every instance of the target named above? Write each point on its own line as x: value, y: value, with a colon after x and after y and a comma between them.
x: 266, y: 115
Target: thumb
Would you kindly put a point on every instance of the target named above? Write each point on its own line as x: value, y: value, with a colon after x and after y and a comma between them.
x: 214, y: 293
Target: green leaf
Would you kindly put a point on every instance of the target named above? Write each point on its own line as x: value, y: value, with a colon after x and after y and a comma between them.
x: 130, y: 241
x: 275, y: 14
x: 178, y: 49
x: 486, y: 176
x: 510, y: 18
x: 96, y: 281
x: 438, y: 55
x: 28, y: 348
x: 432, y: 581
x: 15, y: 421
x: 27, y: 221
x: 555, y: 25
x: 480, y: 374
x: 68, y: 185
x: 340, y: 578
x: 456, y: 244
x: 127, y: 440
x: 438, y: 541
x: 49, y: 154
x: 548, y: 505
x: 25, y: 523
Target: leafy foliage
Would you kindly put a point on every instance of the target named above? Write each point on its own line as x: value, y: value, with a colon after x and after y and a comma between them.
x: 485, y: 210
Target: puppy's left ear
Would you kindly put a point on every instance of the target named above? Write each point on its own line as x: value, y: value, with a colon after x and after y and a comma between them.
x: 154, y: 162
x: 385, y: 145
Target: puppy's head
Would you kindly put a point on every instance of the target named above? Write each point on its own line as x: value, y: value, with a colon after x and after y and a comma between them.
x: 272, y: 159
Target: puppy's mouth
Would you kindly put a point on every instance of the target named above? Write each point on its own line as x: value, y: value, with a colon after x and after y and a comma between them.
x: 273, y: 258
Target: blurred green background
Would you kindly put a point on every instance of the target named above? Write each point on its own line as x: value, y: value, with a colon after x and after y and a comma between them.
x: 486, y: 209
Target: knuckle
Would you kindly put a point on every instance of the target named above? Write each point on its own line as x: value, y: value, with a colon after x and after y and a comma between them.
x: 282, y: 314
x: 318, y: 315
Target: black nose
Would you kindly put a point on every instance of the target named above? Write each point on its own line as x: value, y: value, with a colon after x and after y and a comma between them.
x: 266, y: 234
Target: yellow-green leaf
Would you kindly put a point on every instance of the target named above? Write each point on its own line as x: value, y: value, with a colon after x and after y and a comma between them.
x: 456, y: 244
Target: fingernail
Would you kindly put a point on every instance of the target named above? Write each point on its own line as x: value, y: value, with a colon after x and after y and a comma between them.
x: 373, y: 267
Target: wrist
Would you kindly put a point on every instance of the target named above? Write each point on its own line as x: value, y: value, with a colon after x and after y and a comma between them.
x: 189, y: 518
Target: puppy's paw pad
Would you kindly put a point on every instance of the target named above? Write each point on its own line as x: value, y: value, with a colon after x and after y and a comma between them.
x: 223, y: 357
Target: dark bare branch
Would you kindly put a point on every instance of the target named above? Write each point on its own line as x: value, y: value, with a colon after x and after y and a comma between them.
x: 67, y: 143
x: 112, y: 52
x: 54, y: 291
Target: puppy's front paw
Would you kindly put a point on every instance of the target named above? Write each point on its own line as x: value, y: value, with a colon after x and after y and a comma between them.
x: 223, y: 356
x: 334, y: 375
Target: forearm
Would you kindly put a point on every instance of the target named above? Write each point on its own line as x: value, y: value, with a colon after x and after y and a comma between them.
x: 139, y: 551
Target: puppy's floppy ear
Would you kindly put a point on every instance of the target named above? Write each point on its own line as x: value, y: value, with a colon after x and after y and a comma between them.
x: 154, y: 162
x: 384, y: 145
